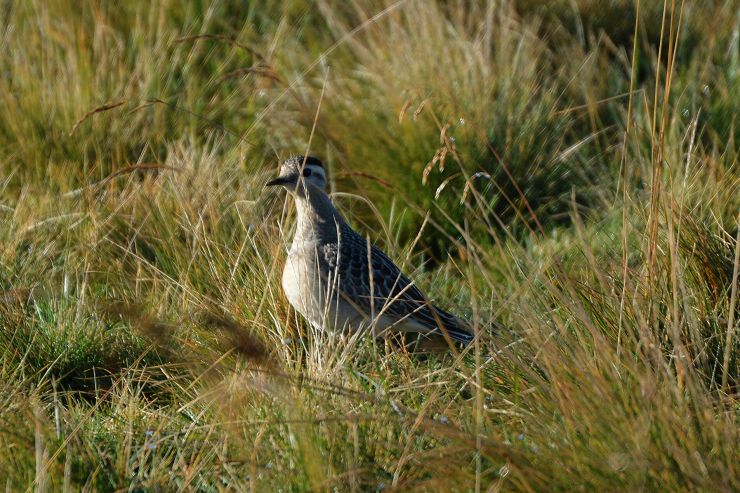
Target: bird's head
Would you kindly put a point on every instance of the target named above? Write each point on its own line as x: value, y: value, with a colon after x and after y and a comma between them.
x: 299, y: 173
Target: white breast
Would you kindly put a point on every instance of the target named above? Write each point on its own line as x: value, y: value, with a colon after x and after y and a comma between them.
x: 312, y: 294
x: 302, y: 285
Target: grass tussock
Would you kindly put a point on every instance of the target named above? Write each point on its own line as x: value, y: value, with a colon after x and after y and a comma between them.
x: 573, y: 179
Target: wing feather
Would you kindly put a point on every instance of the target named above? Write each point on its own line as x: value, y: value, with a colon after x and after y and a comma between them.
x: 377, y: 287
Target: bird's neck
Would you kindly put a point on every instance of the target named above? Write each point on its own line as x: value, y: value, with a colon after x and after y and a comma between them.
x: 318, y: 219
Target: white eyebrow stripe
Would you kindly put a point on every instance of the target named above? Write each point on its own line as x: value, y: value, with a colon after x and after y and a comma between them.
x: 316, y: 169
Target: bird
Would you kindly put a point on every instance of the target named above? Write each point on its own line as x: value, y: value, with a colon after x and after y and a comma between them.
x: 338, y: 280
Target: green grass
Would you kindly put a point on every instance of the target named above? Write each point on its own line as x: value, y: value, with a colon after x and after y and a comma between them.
x: 519, y: 159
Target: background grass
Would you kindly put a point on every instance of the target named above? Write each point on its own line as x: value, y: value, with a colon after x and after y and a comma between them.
x: 527, y: 162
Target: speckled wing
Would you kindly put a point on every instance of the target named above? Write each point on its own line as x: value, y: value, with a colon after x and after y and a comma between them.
x: 389, y: 292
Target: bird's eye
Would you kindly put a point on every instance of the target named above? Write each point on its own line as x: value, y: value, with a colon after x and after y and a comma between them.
x: 307, y: 172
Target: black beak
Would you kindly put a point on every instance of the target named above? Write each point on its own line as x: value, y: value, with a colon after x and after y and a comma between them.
x: 280, y: 180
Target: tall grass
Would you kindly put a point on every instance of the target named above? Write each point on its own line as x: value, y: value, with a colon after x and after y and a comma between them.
x: 529, y: 167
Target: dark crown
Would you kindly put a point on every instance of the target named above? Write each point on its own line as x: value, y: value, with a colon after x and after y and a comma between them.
x: 310, y: 160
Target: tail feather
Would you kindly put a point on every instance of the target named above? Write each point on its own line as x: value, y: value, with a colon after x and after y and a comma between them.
x: 460, y: 330
x: 459, y: 335
x: 456, y: 328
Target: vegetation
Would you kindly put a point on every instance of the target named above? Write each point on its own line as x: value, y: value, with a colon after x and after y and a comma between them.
x: 567, y: 170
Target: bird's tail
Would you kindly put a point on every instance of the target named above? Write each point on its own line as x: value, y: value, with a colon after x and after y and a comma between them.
x: 460, y: 335
x: 460, y: 330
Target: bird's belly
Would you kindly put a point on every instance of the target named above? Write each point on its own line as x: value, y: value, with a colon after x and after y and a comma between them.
x: 314, y: 296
